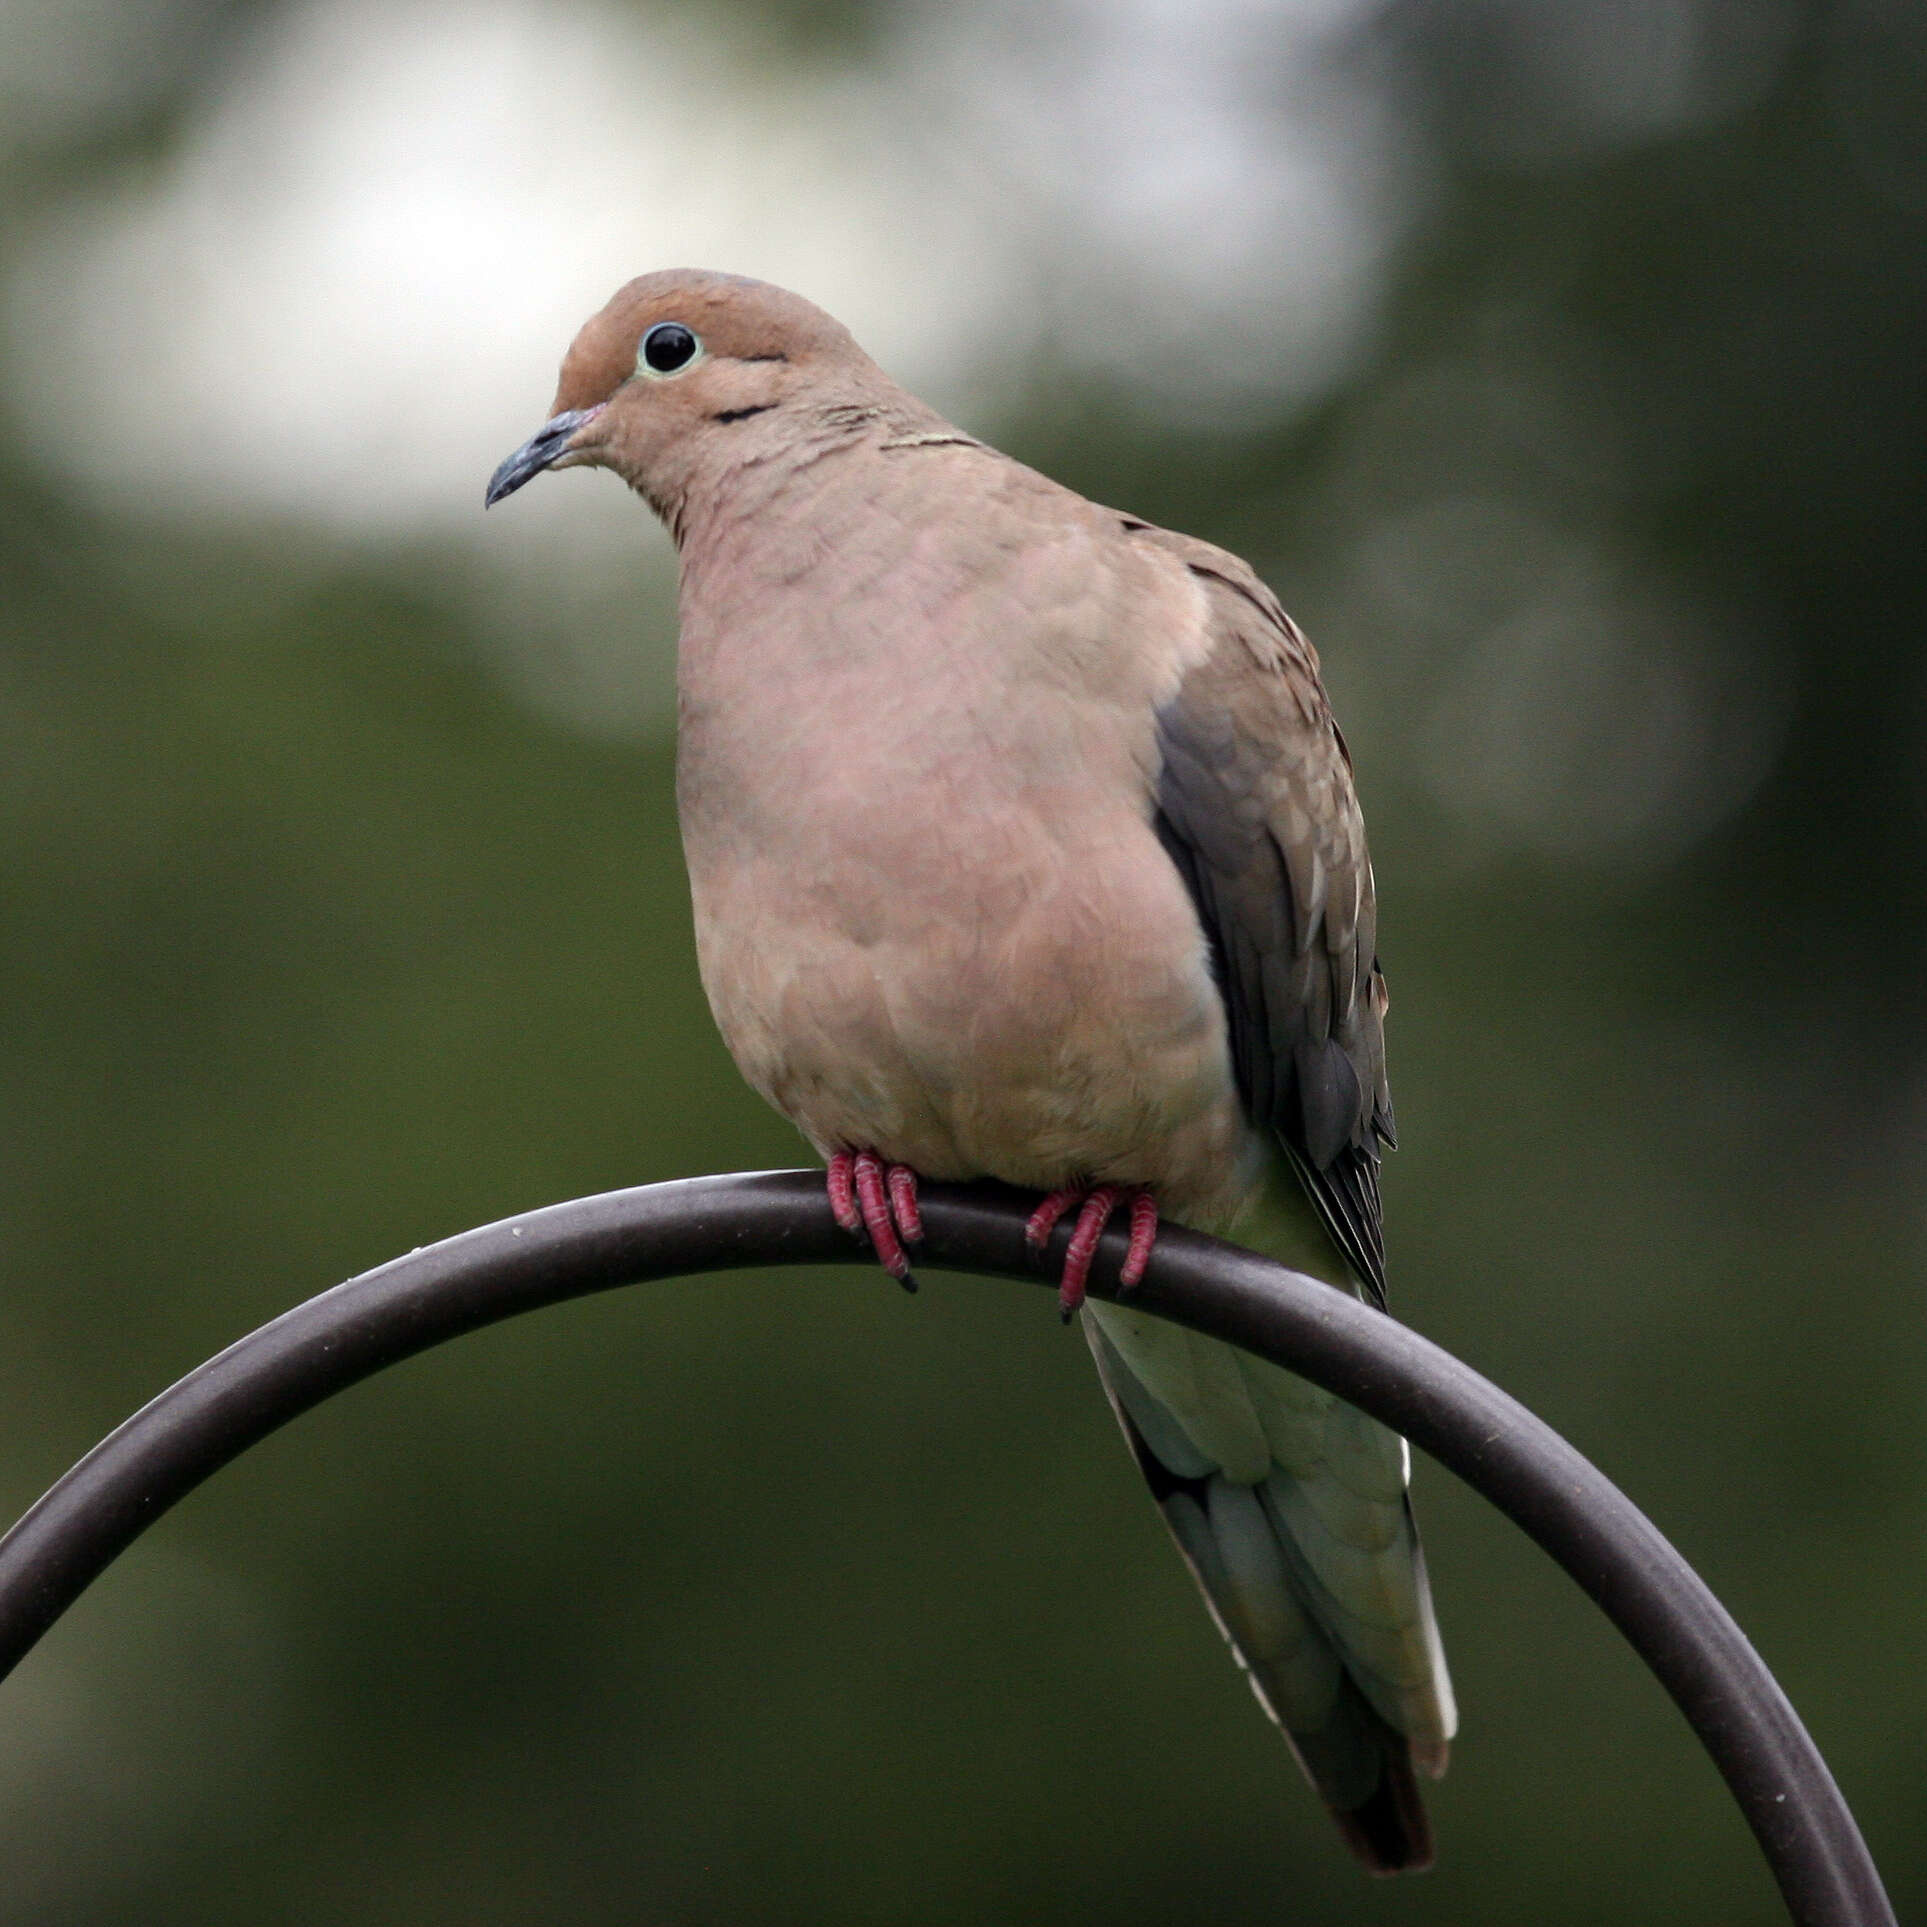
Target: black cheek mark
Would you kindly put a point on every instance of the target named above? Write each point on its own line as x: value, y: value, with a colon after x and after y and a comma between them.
x: 773, y: 356
x: 742, y: 414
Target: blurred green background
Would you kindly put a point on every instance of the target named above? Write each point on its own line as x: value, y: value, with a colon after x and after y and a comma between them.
x: 1563, y: 369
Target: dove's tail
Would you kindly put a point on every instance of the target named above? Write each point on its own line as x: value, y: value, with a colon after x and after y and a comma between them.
x: 1289, y: 1507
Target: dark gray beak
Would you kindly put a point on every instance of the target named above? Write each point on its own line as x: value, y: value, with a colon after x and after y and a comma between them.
x: 540, y: 451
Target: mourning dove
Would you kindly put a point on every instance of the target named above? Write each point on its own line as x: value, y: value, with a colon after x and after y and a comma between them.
x: 1022, y: 844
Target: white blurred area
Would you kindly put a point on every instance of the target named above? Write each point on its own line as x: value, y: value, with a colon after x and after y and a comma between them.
x: 344, y: 294
x: 339, y: 296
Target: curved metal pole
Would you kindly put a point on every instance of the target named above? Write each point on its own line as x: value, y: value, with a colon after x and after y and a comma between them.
x: 778, y: 1218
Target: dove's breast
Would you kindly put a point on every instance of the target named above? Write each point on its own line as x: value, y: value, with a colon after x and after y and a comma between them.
x: 932, y: 914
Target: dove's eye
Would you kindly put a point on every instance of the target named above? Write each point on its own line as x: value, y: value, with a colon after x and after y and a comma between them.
x: 667, y: 348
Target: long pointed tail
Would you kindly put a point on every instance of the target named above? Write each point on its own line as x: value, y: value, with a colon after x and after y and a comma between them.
x: 1289, y: 1507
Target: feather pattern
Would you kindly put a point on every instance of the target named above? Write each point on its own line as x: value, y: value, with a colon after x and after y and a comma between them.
x: 1289, y: 1505
x: 1312, y: 1572
x: 1256, y: 808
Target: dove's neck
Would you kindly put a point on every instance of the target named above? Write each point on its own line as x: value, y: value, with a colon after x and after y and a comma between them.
x: 743, y: 469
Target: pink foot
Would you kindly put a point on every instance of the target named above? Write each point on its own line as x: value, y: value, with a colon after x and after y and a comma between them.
x: 868, y: 1196
x: 1096, y: 1203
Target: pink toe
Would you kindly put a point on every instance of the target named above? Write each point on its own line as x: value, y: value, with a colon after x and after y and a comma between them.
x: 843, y: 1192
x: 1043, y: 1221
x: 1144, y: 1234
x: 1075, y: 1281
x: 873, y: 1201
x: 902, y: 1182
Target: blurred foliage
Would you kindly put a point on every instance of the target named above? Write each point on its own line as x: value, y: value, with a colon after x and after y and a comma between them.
x: 794, y: 1599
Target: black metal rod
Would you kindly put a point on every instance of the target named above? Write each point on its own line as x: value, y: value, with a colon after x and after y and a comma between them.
x: 779, y: 1218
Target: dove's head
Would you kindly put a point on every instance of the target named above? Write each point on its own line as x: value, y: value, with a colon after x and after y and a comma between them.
x: 683, y: 370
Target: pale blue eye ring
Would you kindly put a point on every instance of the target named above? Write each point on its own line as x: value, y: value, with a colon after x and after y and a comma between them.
x: 667, y: 348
